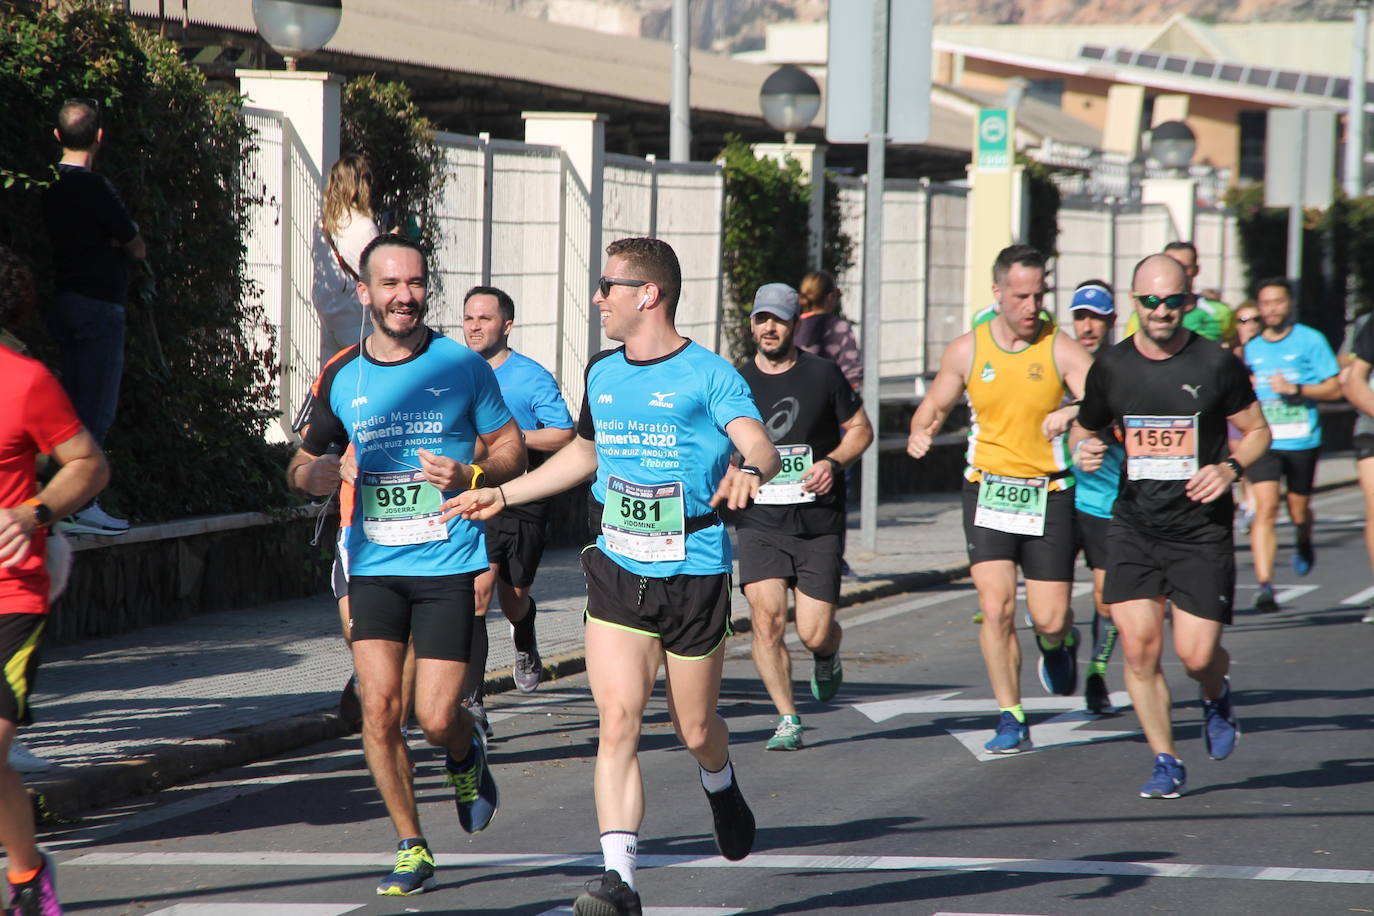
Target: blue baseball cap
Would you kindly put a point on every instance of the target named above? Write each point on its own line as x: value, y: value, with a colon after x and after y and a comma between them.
x: 776, y: 299
x: 1094, y: 298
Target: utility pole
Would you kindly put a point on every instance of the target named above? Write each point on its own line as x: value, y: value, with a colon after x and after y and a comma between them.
x: 680, y: 108
x: 873, y: 273
x: 1354, y: 118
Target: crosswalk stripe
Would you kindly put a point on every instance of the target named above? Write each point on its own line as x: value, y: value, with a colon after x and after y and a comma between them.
x: 259, y: 909
x: 1361, y: 598
x: 781, y: 862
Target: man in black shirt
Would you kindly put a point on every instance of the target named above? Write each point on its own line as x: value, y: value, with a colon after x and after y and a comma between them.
x: 92, y: 239
x: 1169, y: 394
x: 1358, y: 387
x: 790, y: 537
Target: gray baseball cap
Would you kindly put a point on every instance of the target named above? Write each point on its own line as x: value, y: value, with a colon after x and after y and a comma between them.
x: 777, y: 299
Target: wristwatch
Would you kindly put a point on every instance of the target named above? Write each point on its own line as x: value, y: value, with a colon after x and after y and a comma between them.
x: 478, y: 475
x: 750, y: 469
x: 839, y: 468
x: 1234, y: 465
x: 42, y: 515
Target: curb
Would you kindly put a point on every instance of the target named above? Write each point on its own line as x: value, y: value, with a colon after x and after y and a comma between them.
x: 99, y: 785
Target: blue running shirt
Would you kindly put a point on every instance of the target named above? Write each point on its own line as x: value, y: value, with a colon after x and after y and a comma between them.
x: 441, y: 399
x: 1304, y: 357
x: 1095, y: 493
x: 532, y: 394
x: 662, y: 422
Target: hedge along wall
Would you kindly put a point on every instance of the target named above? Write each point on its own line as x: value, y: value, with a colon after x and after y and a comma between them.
x: 198, y: 384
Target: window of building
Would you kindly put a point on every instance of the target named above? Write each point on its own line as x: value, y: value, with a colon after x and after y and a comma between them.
x: 1252, y: 135
x: 1050, y: 92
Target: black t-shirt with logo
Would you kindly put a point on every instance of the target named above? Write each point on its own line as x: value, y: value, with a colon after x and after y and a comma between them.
x: 805, y: 405
x: 1201, y: 381
x: 88, y: 226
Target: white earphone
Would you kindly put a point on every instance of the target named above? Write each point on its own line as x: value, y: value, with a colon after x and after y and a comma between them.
x: 642, y: 302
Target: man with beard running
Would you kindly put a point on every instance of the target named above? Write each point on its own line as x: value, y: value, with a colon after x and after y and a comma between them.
x: 1169, y: 393
x: 790, y: 537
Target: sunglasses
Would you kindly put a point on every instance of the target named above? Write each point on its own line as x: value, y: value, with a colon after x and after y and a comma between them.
x: 605, y: 283
x: 1247, y: 320
x: 1173, y: 303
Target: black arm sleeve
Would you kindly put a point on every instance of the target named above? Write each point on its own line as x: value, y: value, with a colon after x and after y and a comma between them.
x: 325, y: 428
x: 1095, y: 414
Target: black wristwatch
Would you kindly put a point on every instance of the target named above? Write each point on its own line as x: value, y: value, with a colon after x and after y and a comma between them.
x: 1234, y: 465
x: 42, y: 515
x: 839, y: 468
x: 750, y: 469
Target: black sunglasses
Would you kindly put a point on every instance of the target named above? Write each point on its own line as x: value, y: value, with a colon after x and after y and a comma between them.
x: 1173, y: 303
x: 605, y: 283
x: 1247, y: 320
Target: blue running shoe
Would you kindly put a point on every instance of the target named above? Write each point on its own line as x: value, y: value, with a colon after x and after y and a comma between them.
x: 475, y: 789
x: 1059, y: 666
x: 1012, y: 736
x: 1220, y: 730
x: 1304, y: 558
x: 414, y: 872
x: 1167, y: 779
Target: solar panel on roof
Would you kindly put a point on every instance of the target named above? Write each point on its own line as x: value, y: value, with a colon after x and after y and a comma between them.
x: 1287, y: 81
x: 1175, y: 64
x: 1230, y: 73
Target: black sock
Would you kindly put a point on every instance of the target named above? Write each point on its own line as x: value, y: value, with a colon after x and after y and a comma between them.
x: 523, y: 634
x: 474, y: 687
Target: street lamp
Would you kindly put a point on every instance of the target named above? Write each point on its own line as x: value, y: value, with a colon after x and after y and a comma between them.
x: 790, y: 99
x: 1172, y: 144
x: 297, y: 27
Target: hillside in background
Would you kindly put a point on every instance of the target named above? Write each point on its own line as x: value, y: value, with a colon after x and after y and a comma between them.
x: 738, y: 25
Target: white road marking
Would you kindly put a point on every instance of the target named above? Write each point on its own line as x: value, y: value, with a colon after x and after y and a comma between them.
x: 784, y: 862
x: 1361, y: 598
x: 661, y: 911
x: 259, y: 909
x: 1284, y: 594
x: 1060, y: 731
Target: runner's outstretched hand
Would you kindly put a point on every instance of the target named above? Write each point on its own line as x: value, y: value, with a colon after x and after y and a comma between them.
x: 474, y: 505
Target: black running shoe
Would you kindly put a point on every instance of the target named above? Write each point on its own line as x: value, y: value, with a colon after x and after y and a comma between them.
x: 733, y: 822
x: 350, y: 707
x: 1059, y: 666
x: 607, y: 896
x: 1265, y: 602
x: 1096, y: 699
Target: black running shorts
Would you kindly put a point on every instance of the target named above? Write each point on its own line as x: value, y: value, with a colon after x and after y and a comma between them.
x: 436, y: 610
x: 515, y: 546
x: 1363, y: 443
x: 20, y: 637
x: 1197, y: 578
x: 1092, y: 538
x: 689, y: 614
x: 808, y: 563
x: 1298, y: 467
x: 1047, y: 558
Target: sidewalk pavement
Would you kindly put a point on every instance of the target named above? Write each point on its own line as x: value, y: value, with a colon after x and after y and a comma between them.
x: 131, y: 714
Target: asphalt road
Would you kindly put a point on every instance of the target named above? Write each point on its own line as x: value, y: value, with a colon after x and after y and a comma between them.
x: 888, y: 809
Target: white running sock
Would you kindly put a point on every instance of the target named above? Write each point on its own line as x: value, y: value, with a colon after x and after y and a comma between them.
x: 618, y: 848
x: 718, y: 781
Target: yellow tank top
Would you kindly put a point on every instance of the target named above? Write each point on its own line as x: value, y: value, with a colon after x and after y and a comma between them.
x: 1010, y: 395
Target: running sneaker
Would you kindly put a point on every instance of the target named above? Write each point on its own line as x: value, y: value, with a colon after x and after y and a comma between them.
x: 1304, y: 558
x: 607, y: 896
x: 1247, y: 518
x: 1096, y: 699
x: 1167, y: 778
x: 414, y: 871
x: 978, y: 616
x: 94, y: 520
x: 1265, y: 602
x: 1368, y: 616
x: 787, y: 736
x: 1220, y: 730
x: 479, y: 714
x: 529, y: 667
x: 23, y: 760
x: 827, y: 674
x: 38, y: 895
x: 350, y: 707
x: 732, y: 821
x: 475, y: 790
x: 1012, y: 737
x: 1059, y: 666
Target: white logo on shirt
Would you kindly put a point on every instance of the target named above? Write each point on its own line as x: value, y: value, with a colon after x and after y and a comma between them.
x: 1192, y: 389
x: 1290, y: 356
x: 605, y: 399
x: 660, y: 399
x: 437, y: 391
x: 359, y: 401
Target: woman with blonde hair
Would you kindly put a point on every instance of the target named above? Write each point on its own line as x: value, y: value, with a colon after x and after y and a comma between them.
x: 348, y: 225
x: 822, y: 331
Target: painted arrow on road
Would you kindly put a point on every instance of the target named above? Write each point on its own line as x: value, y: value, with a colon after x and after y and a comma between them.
x: 1062, y: 730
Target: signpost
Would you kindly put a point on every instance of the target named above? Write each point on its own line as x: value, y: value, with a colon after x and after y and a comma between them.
x: 994, y: 139
x: 1299, y: 171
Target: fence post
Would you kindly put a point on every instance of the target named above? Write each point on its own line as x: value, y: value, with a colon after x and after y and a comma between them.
x: 487, y: 182
x: 653, y: 194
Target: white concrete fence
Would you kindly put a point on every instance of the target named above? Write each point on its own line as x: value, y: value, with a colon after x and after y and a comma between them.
x: 533, y: 218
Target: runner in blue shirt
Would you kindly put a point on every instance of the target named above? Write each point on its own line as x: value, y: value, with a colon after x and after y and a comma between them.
x: 413, y: 404
x: 515, y: 539
x: 660, y: 419
x: 1094, y: 317
x: 1293, y: 368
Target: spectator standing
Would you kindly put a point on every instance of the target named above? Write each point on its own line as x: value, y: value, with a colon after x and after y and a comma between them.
x: 348, y: 224
x: 822, y: 331
x: 93, y: 237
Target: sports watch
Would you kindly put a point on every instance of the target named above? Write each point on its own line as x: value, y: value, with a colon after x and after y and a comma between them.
x: 42, y: 515
x: 478, y: 475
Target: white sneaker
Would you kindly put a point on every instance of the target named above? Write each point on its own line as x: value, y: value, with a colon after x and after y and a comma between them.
x: 1368, y: 617
x: 23, y: 760
x: 94, y: 520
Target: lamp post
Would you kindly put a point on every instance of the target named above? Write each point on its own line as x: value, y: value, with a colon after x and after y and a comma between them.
x: 790, y: 100
x: 295, y: 28
x: 1172, y: 144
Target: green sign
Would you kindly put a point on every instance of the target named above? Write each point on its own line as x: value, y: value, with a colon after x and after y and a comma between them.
x: 993, y: 143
